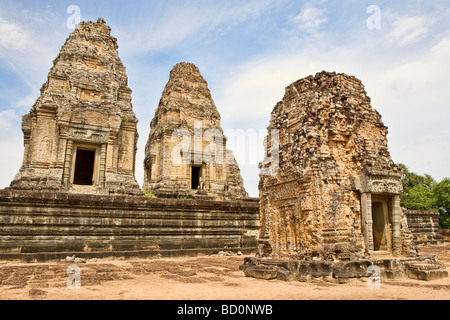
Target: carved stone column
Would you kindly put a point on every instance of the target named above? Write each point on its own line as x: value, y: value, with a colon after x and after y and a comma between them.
x: 102, y: 166
x: 68, y: 163
x: 367, y: 222
x: 396, y: 225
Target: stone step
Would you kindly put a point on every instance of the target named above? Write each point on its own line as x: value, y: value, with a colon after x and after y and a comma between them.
x: 262, y: 272
x: 382, y: 254
x: 427, y: 275
x: 421, y: 270
x: 393, y: 274
x: 423, y: 266
x: 273, y: 262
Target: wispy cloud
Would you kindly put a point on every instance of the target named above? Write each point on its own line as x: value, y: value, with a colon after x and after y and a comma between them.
x: 190, y: 22
x: 8, y: 119
x: 408, y: 30
x: 13, y: 37
x: 28, y: 54
x: 310, y: 19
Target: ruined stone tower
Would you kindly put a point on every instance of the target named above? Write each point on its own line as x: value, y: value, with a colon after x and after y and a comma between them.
x: 334, y: 186
x: 80, y: 135
x: 186, y: 151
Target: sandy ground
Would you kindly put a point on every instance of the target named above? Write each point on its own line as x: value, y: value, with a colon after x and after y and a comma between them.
x: 201, y: 278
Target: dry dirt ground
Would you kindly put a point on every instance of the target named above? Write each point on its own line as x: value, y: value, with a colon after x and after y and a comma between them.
x: 201, y: 278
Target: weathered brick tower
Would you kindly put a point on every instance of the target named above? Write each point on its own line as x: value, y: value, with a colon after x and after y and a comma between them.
x: 186, y: 151
x: 80, y: 136
x: 329, y: 191
x: 336, y: 186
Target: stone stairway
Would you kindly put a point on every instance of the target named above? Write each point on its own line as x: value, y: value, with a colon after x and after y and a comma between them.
x: 421, y: 270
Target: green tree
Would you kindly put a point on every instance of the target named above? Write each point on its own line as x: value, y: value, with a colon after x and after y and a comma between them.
x: 418, y: 197
x: 417, y: 190
x: 441, y: 193
x: 422, y: 192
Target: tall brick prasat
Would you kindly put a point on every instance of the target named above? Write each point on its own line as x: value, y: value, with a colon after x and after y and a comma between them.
x: 186, y: 151
x: 80, y: 135
x: 336, y: 187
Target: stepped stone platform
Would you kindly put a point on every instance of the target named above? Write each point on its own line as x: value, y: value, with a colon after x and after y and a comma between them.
x: 424, y: 226
x: 424, y: 267
x: 46, y: 226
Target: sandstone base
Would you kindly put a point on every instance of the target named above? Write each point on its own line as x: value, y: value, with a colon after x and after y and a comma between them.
x: 419, y: 268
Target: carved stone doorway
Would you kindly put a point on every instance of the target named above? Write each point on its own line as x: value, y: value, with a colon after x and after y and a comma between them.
x: 381, y: 227
x: 84, y: 167
x: 196, y: 174
x: 381, y: 222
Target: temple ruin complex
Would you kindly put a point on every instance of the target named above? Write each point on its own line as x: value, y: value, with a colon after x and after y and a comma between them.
x: 76, y: 192
x: 329, y: 204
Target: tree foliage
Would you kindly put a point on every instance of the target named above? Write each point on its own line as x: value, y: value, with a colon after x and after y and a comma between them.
x: 422, y: 192
x: 442, y: 197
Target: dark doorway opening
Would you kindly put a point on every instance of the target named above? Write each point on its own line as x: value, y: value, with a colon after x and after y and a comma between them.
x: 196, y: 173
x: 84, y: 168
x: 379, y: 226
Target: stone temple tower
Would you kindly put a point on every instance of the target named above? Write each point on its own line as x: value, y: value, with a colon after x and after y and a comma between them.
x: 186, y: 151
x: 334, y: 186
x: 80, y: 135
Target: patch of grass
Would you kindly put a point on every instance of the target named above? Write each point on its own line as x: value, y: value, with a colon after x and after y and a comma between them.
x: 125, y: 118
x: 150, y: 195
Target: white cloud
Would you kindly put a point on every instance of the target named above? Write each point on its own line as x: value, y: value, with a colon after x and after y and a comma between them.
x: 310, y: 19
x: 26, y: 102
x: 8, y: 119
x: 418, y: 87
x: 412, y: 97
x: 13, y: 37
x: 28, y: 54
x: 11, y: 145
x: 408, y: 30
x: 11, y: 159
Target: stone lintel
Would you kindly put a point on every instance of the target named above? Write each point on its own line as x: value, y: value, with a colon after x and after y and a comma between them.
x: 47, y: 110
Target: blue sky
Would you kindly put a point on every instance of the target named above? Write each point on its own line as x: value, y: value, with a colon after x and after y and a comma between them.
x: 248, y: 51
